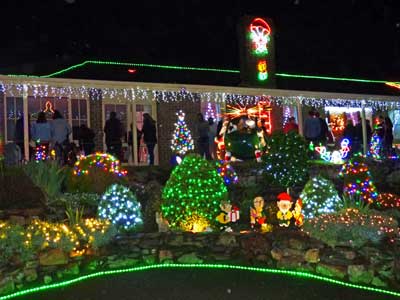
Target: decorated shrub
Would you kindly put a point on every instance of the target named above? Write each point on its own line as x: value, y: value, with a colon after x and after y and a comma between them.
x: 353, y: 228
x: 192, y: 194
x: 286, y: 159
x: 319, y: 197
x: 357, y: 180
x: 227, y: 172
x: 120, y: 206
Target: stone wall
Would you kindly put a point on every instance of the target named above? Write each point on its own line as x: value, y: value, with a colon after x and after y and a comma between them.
x: 282, y: 249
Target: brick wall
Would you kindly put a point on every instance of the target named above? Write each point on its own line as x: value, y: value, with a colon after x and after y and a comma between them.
x: 277, y: 117
x: 96, y: 117
x: 166, y: 119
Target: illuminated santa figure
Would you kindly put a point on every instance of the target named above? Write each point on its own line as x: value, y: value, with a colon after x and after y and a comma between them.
x: 284, y: 215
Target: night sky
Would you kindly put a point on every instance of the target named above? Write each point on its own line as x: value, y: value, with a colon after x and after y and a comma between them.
x: 353, y: 38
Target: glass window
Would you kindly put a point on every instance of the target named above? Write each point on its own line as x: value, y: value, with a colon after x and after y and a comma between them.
x: 14, y: 111
x: 79, y: 115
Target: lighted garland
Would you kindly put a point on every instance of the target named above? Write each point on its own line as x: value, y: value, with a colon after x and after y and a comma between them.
x: 182, y: 141
x: 104, y: 161
x: 227, y: 172
x: 120, y: 206
x: 357, y: 180
x: 298, y: 274
x: 286, y: 159
x: 319, y: 197
x: 194, y: 188
x: 387, y: 201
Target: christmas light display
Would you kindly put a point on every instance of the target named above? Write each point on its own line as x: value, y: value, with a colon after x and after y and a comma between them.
x: 387, y: 201
x: 41, y: 152
x: 120, y: 206
x: 287, y: 113
x: 337, y: 123
x: 357, y: 180
x: 259, y: 33
x: 104, y: 161
x: 319, y: 196
x: 210, y: 113
x: 376, y: 147
x: 335, y: 157
x: 194, y: 190
x: 298, y: 215
x: 284, y: 214
x: 228, y: 216
x: 182, y: 141
x: 226, y: 171
x: 258, y: 218
x: 393, y: 84
x: 286, y: 159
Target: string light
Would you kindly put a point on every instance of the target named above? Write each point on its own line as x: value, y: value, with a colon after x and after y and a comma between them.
x: 210, y: 112
x: 227, y: 267
x: 335, y: 157
x: 226, y: 171
x: 182, y: 141
x: 105, y: 161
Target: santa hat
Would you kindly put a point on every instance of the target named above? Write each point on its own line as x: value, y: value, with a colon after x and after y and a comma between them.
x: 284, y: 197
x: 299, y: 202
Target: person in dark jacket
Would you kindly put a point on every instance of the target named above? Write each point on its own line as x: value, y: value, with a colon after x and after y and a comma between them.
x: 324, y: 130
x: 114, y: 132
x: 388, y: 136
x: 149, y: 135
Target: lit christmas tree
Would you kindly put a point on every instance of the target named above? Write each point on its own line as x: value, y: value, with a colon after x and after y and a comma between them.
x: 286, y: 159
x: 192, y: 195
x: 319, y: 197
x: 209, y: 112
x: 375, y: 149
x: 357, y: 180
x: 182, y: 141
x: 227, y: 172
x: 119, y: 205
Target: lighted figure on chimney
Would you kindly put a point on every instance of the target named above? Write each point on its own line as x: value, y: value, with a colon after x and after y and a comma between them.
x: 284, y: 215
x: 228, y: 217
x: 243, y: 131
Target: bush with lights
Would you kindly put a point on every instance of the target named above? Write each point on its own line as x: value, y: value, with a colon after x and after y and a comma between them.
x: 120, y: 206
x: 192, y: 194
x: 352, y: 227
x: 357, y: 180
x: 319, y: 197
x: 103, y: 161
x: 286, y: 159
x: 227, y: 172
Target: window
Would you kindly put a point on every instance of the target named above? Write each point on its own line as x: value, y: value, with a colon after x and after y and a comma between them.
x: 211, y: 110
x: 141, y: 146
x: 14, y: 111
x: 79, y: 115
x: 48, y: 105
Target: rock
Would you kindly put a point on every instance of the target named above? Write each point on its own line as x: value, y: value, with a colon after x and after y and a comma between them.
x: 150, y: 259
x: 276, y: 253
x: 376, y: 281
x: 287, y: 252
x: 298, y: 244
x: 359, y: 274
x: 53, y: 257
x: 123, y: 263
x: 7, y: 285
x: 164, y: 255
x: 312, y: 256
x: 331, y: 270
x: 71, y: 269
x: 47, y: 279
x: 176, y: 241
x: 30, y: 275
x: 290, y: 263
x: 262, y: 258
x: 221, y: 257
x: 227, y: 240
x: 190, y: 258
x: 150, y: 243
x: 18, y: 220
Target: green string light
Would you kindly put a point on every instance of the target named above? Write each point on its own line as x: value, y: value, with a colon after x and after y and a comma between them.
x: 184, y: 68
x: 197, y: 266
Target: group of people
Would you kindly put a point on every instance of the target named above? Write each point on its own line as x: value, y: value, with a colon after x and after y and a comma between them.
x: 206, y: 131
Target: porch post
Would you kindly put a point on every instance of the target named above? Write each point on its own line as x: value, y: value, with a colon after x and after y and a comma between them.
x: 300, y: 115
x: 364, y: 130
x: 26, y: 122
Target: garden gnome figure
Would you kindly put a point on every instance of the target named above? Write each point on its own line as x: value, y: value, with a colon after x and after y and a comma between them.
x: 257, y: 215
x: 297, y: 213
x: 228, y: 216
x: 163, y: 225
x: 284, y: 215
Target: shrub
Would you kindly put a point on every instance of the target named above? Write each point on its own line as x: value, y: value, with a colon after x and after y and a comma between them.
x: 352, y: 228
x: 120, y: 206
x: 194, y: 188
x: 319, y: 197
x: 286, y: 159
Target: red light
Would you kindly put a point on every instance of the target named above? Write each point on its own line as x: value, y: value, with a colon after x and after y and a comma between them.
x: 131, y: 71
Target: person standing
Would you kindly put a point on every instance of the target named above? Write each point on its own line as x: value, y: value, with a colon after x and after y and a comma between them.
x: 149, y: 136
x: 114, y: 132
x: 86, y: 139
x: 203, y: 131
x: 388, y: 136
x: 211, y: 137
x: 324, y: 130
x: 41, y: 134
x: 291, y: 125
x: 312, y: 128
x: 60, y: 131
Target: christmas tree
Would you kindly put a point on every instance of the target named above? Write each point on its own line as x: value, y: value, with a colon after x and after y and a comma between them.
x: 192, y: 194
x: 357, y: 180
x: 286, y: 159
x: 119, y: 205
x: 182, y: 141
x: 209, y: 112
x: 375, y: 149
x: 319, y: 197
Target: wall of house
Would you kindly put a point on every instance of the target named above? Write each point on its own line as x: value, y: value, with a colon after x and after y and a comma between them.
x: 96, y: 117
x: 2, y: 117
